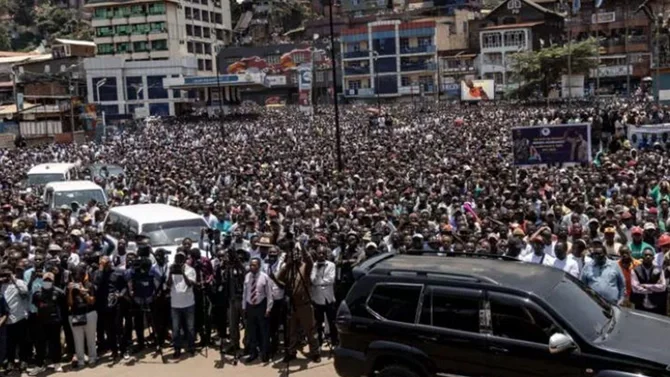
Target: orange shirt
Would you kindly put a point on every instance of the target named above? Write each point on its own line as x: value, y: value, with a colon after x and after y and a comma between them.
x: 626, y: 274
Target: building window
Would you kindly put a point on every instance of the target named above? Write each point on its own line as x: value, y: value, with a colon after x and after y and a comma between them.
x: 354, y: 84
x: 201, y: 64
x: 155, y: 85
x: 206, y: 32
x: 137, y: 10
x: 196, y: 14
x: 157, y: 8
x: 159, y: 109
x: 515, y: 38
x: 107, y: 91
x: 219, y: 34
x: 208, y: 65
x: 204, y: 2
x: 218, y: 19
x: 141, y: 29
x: 189, y: 47
x: 189, y: 30
x: 491, y: 40
x: 465, y: 27
x: 104, y: 31
x: 207, y: 48
x: 493, y: 58
x: 123, y: 48
x: 198, y: 48
x: 140, y: 46
x: 405, y: 81
x: 205, y: 16
x: 157, y: 27
x: 160, y: 45
x: 121, y: 12
x: 105, y: 49
x: 187, y: 13
x: 133, y: 84
x: 197, y: 31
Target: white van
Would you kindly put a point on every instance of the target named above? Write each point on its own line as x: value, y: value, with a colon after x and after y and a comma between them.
x: 57, y: 194
x: 164, y: 225
x: 40, y: 175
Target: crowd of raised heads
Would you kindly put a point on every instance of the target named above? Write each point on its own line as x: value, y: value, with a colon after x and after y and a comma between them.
x: 285, y: 226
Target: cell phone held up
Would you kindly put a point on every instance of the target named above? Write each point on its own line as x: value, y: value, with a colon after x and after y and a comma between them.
x: 176, y: 269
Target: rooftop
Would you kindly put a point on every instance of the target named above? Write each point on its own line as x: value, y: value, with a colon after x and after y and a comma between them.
x: 513, y: 26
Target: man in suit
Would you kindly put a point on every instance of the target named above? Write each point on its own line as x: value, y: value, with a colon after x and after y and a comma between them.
x: 257, y: 305
x: 323, y: 294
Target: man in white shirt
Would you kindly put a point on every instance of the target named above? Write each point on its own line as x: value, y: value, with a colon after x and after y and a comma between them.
x: 323, y: 294
x: 538, y: 256
x: 562, y: 262
x: 257, y: 305
x: 181, y: 279
x: 271, y: 266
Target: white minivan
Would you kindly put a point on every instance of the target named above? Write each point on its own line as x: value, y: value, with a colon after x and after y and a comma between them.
x: 164, y: 225
x: 40, y: 175
x: 57, y: 194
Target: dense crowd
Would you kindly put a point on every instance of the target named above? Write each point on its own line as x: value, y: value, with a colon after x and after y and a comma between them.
x: 287, y: 227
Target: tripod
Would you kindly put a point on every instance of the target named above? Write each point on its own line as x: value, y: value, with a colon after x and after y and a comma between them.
x: 144, y: 308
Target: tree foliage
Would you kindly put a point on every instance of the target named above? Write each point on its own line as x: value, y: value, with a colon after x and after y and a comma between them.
x: 539, y: 70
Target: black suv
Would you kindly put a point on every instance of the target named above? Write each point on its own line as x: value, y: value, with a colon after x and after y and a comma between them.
x: 420, y: 316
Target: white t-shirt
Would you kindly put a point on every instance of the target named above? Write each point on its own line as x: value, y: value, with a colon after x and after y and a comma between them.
x: 568, y: 265
x: 544, y: 259
x: 181, y: 295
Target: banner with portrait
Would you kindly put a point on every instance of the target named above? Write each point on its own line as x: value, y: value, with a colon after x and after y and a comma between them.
x: 552, y: 143
x: 477, y: 90
x: 646, y: 136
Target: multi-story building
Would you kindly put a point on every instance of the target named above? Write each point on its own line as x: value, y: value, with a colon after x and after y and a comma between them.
x: 626, y: 37
x: 141, y: 42
x: 389, y: 58
x: 514, y: 26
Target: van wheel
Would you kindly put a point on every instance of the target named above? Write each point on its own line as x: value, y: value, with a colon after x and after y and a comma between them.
x: 397, y: 371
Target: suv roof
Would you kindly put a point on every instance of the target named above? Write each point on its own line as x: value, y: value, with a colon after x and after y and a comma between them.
x: 481, y: 269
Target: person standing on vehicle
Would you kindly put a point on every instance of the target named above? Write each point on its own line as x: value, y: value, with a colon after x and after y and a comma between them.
x: 603, y: 275
x: 649, y: 287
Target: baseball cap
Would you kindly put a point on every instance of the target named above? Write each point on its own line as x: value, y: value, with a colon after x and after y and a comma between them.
x: 636, y: 230
x: 649, y: 226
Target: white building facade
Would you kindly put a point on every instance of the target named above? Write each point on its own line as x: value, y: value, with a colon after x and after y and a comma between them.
x: 140, y: 43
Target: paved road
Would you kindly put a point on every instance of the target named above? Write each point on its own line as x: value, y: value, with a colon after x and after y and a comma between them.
x: 199, y: 366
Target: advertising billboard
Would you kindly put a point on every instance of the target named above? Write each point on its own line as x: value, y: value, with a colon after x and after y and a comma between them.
x: 477, y: 90
x: 555, y: 143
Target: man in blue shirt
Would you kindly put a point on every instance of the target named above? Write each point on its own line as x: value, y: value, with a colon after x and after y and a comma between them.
x: 603, y: 275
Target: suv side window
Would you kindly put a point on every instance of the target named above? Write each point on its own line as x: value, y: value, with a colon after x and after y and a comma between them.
x: 514, y: 318
x: 395, y: 302
x: 455, y: 309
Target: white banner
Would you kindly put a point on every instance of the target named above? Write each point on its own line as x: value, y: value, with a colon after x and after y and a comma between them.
x: 646, y: 136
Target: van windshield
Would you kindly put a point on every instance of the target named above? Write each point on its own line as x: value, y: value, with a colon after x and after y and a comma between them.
x: 43, y: 179
x: 81, y: 196
x: 173, y: 232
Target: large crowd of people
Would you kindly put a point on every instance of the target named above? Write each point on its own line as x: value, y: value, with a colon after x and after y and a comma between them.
x: 286, y: 227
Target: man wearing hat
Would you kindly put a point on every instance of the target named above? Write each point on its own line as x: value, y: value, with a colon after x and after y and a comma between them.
x: 637, y: 245
x: 48, y: 299
x: 611, y: 246
x: 538, y: 256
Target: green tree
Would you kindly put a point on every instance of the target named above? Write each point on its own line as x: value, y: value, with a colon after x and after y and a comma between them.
x: 539, y: 70
x: 5, y: 39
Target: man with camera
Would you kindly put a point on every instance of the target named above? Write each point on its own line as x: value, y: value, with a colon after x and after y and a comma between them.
x: 141, y: 288
x: 181, y: 280
x: 110, y: 290
x: 296, y: 275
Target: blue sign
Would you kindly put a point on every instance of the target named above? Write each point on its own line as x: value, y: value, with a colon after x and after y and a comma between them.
x: 552, y: 143
x: 212, y: 80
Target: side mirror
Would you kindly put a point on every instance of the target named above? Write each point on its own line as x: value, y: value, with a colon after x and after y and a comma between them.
x: 560, y: 342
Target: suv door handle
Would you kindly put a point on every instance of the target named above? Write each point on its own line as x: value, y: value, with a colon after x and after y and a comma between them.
x: 427, y: 337
x: 498, y: 349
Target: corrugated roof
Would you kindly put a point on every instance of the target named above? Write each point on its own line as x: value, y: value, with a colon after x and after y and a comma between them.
x: 513, y: 26
x: 75, y: 42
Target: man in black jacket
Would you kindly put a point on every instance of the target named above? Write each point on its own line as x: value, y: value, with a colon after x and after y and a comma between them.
x: 48, y: 299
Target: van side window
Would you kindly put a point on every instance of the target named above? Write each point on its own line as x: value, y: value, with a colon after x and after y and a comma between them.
x: 455, y: 309
x: 395, y: 302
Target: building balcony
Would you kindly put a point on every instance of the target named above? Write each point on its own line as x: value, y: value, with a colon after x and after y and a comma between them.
x: 121, y: 38
x: 356, y: 54
x: 350, y: 71
x: 158, y: 36
x: 159, y: 54
x: 140, y: 55
x: 98, y: 22
x: 157, y: 18
x: 120, y: 21
x: 417, y: 67
x: 363, y: 92
x: 418, y: 50
x: 138, y: 38
x: 103, y: 40
x: 137, y: 19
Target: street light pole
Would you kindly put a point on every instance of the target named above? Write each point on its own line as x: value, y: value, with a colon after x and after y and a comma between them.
x: 338, y: 142
x: 379, y: 103
x: 218, y: 85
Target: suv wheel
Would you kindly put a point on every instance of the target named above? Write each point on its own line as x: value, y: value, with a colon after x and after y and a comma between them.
x: 397, y: 371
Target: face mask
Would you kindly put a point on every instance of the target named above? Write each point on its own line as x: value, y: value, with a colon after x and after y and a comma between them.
x: 47, y: 285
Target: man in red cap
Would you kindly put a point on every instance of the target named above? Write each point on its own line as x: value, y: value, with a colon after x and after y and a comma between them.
x: 637, y: 245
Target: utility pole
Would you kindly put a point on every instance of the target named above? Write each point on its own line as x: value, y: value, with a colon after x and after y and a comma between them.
x: 569, y: 19
x: 71, y: 89
x: 627, y: 13
x: 338, y: 142
x: 218, y: 85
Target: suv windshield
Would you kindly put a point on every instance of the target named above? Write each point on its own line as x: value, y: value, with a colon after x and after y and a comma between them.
x: 82, y: 197
x: 43, y: 179
x: 581, y: 307
x: 173, y: 232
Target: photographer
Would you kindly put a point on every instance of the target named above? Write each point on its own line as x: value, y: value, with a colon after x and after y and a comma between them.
x: 16, y: 294
x: 234, y: 274
x: 218, y: 295
x: 83, y: 317
x: 160, y: 308
x: 110, y: 290
x: 141, y: 288
x: 296, y: 275
x: 47, y: 299
x: 180, y: 280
